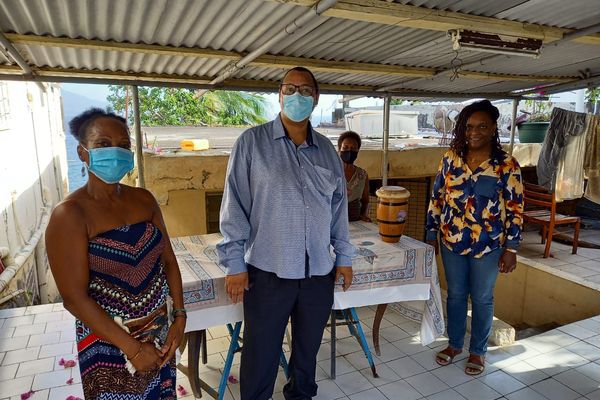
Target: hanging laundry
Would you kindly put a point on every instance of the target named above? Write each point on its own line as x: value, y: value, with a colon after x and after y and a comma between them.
x: 591, y: 162
x: 563, y: 124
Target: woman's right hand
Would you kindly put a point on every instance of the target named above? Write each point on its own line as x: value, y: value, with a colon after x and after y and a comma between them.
x: 148, y: 359
x: 435, y: 245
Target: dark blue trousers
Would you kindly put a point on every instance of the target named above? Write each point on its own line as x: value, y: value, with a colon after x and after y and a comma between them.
x: 268, y: 305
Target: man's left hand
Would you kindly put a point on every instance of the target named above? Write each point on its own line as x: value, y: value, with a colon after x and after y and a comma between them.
x: 508, y: 262
x: 346, y: 273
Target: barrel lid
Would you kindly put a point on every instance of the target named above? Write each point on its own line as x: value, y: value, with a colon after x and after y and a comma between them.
x: 393, y: 192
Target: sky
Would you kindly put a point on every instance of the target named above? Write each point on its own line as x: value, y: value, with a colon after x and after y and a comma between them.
x: 327, y: 102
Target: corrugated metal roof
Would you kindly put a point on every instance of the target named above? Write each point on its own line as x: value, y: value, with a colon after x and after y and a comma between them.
x: 558, y: 13
x: 242, y: 26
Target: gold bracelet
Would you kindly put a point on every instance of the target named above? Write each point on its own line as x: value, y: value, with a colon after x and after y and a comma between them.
x: 138, y: 352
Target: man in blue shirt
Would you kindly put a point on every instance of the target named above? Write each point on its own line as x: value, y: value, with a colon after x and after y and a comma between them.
x: 284, y: 204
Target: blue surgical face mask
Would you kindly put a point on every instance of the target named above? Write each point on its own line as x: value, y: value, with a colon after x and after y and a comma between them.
x: 110, y: 164
x: 297, y: 107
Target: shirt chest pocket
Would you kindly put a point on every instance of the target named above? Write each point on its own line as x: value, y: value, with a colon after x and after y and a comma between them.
x: 487, y: 186
x: 324, y: 181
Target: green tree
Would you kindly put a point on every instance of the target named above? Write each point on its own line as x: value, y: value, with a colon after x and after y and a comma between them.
x: 178, y: 107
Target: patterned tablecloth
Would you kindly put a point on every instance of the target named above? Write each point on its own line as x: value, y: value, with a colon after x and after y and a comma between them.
x: 402, y: 272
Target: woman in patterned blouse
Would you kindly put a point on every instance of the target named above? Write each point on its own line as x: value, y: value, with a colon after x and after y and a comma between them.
x: 476, y: 206
x: 357, y: 180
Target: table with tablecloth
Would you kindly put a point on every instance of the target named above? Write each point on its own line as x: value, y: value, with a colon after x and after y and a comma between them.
x: 384, y: 273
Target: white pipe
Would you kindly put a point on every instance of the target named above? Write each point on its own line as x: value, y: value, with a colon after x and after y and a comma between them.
x: 513, y: 125
x: 16, y: 263
x: 386, y: 139
x: 292, y: 27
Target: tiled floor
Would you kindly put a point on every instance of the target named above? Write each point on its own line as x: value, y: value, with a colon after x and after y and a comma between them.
x: 561, y: 364
x: 584, y: 265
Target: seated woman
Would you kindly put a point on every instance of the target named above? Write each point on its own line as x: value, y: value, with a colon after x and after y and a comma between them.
x: 476, y: 206
x: 113, y: 263
x: 357, y: 180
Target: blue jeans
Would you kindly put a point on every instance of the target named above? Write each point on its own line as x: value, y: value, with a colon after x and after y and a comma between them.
x: 468, y: 276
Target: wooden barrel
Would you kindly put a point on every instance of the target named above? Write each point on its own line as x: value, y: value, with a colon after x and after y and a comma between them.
x: 392, y: 212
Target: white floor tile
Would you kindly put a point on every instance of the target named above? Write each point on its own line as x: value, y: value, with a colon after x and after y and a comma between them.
x: 477, y: 390
x: 12, y: 312
x: 426, y: 383
x: 446, y: 395
x: 557, y: 361
x: 452, y: 375
x: 8, y: 344
x: 342, y: 366
x: 43, y: 339
x: 52, y: 379
x: 62, y: 392
x: 427, y: 359
x: 410, y: 346
x: 6, y: 332
x: 55, y: 326
x: 585, y: 350
x: 371, y: 394
x: 385, y: 375
x: 24, y: 330
x: 18, y: 321
x: 525, y: 372
x: 400, y: 390
x: 35, y: 367
x: 591, y: 370
x: 577, y: 381
x: 389, y: 352
x: 39, y: 309
x: 328, y: 390
x: 353, y: 382
x: 55, y: 349
x: 525, y: 394
x: 502, y: 383
x: 554, y: 390
x: 405, y: 367
x: 393, y: 334
x: 8, y: 372
x: 595, y: 395
x: 39, y: 395
x: 17, y: 356
x: 15, y: 387
x: 521, y: 350
x: 49, y: 317
x: 577, y: 331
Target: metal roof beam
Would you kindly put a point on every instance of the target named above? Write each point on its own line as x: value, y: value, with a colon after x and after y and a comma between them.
x: 50, y: 74
x: 264, y: 61
x: 397, y: 14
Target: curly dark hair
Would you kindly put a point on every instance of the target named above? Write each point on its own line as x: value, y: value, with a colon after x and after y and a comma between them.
x: 79, y: 125
x: 349, y: 135
x: 459, y: 142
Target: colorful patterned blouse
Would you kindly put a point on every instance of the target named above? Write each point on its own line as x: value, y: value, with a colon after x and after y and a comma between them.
x: 478, y: 211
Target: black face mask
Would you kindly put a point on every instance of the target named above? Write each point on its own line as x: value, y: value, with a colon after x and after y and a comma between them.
x: 348, y: 156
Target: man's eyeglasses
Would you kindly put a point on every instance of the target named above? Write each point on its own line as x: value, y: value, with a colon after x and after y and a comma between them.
x: 289, y: 89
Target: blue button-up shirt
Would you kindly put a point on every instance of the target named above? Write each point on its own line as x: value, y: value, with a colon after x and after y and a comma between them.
x: 283, y: 204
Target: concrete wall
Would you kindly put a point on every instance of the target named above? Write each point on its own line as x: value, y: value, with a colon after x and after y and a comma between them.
x: 537, y: 295
x: 180, y: 182
x: 33, y: 171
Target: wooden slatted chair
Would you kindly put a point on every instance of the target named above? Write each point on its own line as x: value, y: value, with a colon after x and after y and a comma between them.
x: 545, y: 214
